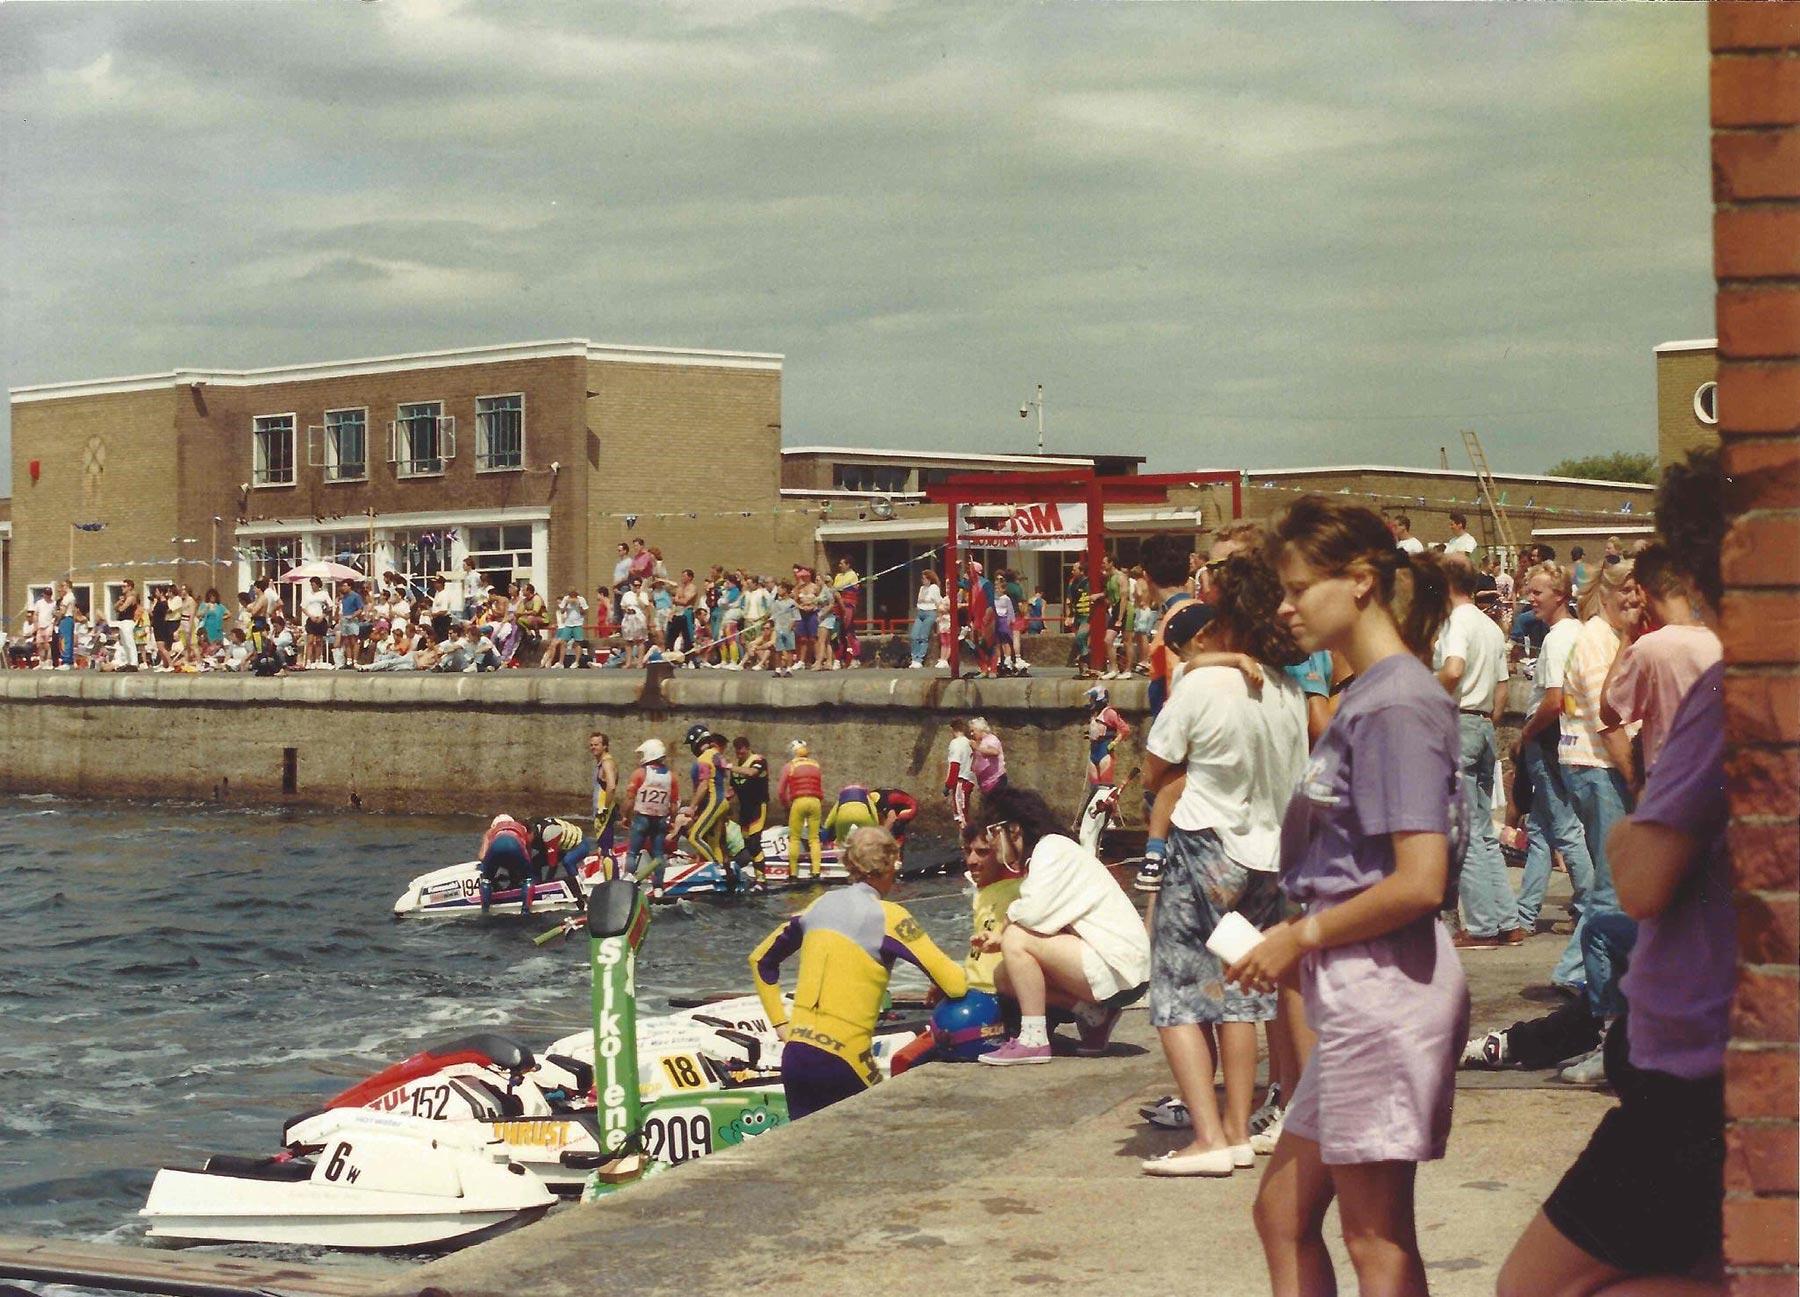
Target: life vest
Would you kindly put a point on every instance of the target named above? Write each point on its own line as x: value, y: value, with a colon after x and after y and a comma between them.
x: 804, y: 779
x: 655, y: 794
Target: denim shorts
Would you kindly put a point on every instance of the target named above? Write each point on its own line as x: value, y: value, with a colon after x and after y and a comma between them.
x: 1200, y: 886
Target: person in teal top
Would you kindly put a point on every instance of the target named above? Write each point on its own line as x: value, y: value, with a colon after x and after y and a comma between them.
x: 212, y: 617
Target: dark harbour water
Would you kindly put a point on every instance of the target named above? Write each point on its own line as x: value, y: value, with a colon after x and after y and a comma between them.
x: 180, y: 979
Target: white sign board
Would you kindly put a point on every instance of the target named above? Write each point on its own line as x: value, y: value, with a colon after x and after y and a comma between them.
x: 1024, y: 527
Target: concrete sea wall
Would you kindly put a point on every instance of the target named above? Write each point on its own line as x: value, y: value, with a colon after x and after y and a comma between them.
x: 480, y: 744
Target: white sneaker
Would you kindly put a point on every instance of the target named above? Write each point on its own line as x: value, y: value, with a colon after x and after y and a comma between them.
x: 1268, y: 1112
x: 917, y: 665
x: 1169, y: 1113
x: 943, y: 662
x: 1590, y: 1070
x: 1264, y: 1141
x: 1489, y: 1050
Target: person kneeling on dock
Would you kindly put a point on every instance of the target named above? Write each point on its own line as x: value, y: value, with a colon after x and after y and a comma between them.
x: 1073, y: 939
x: 848, y: 941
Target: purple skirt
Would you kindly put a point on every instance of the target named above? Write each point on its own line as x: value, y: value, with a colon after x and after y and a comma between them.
x: 1392, y: 1016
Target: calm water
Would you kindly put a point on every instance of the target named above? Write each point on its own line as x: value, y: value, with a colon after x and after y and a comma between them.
x: 181, y: 979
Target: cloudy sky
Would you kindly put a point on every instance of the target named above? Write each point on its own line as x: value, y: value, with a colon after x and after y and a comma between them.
x: 1219, y: 234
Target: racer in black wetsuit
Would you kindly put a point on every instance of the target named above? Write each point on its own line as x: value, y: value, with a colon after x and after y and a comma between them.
x: 554, y: 844
x: 894, y: 811
x: 750, y: 785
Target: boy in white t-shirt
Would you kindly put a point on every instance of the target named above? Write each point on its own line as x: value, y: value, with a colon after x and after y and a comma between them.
x: 959, y: 771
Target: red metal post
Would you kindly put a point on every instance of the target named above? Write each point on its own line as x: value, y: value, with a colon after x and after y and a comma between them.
x: 950, y: 587
x: 1096, y: 548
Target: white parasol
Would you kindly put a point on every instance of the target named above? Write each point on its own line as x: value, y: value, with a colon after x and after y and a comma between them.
x: 324, y: 569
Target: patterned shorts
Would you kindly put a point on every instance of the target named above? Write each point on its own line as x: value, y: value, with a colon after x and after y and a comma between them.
x: 1200, y: 886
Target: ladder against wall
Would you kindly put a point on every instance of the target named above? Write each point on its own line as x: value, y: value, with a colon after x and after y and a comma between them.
x: 1495, y: 525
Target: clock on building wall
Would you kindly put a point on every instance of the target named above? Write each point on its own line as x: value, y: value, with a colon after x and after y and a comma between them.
x: 93, y: 468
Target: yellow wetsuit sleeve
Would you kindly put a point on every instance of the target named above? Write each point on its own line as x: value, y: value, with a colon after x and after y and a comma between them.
x: 765, y: 967
x: 917, y: 948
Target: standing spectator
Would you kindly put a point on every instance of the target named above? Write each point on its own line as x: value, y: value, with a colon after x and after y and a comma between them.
x: 1366, y: 851
x: 1243, y: 750
x: 806, y: 600
x: 634, y: 623
x: 443, y: 608
x: 1554, y: 826
x: 622, y: 567
x: 188, y: 618
x: 315, y: 608
x: 1579, y: 569
x: 990, y: 757
x: 1403, y: 537
x: 848, y: 583
x: 67, y: 612
x: 1470, y: 658
x: 1666, y: 648
x: 124, y: 619
x: 162, y: 624
x: 1034, y: 618
x: 959, y: 771
x: 1015, y: 591
x: 784, y: 614
x: 212, y: 621
x: 571, y: 616
x: 643, y: 562
x: 926, y: 603
x: 43, y: 628
x: 1641, y: 1209
x: 1461, y: 541
x: 474, y: 588
x: 351, y: 626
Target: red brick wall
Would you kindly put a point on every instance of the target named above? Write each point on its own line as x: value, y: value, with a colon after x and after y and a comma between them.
x: 1756, y: 241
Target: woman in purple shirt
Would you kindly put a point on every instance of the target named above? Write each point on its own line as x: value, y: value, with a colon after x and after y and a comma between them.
x: 1366, y: 851
x: 1646, y: 1196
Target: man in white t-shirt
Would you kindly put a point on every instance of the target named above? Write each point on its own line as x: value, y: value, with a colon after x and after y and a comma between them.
x: 1403, y: 537
x: 474, y: 588
x: 1461, y: 541
x: 1470, y: 657
x: 43, y: 626
x: 1554, y: 825
x: 959, y: 771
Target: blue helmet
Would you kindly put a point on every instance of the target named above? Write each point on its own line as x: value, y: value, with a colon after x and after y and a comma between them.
x: 969, y: 1027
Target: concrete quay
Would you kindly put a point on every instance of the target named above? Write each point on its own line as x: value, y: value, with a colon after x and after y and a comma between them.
x: 516, y: 740
x: 972, y: 1179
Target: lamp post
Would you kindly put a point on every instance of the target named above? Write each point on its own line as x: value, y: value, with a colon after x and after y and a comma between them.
x: 1036, y: 402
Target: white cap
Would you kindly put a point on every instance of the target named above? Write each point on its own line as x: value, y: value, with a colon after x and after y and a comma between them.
x: 651, y: 750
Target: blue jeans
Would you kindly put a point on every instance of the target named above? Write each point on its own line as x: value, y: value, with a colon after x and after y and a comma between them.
x: 1553, y: 824
x: 923, y: 628
x: 65, y: 630
x: 1607, y: 937
x: 647, y: 833
x: 1488, y: 904
x: 505, y: 852
x: 1601, y: 799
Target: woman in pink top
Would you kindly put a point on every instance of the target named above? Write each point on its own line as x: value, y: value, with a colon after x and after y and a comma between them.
x: 1665, y: 647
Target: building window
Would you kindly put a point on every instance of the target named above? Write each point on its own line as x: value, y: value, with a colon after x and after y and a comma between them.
x: 421, y: 555
x: 424, y: 439
x: 1706, y: 403
x: 272, y: 458
x: 351, y: 548
x: 869, y: 477
x: 269, y: 557
x: 501, y: 552
x: 499, y: 433
x: 340, y: 446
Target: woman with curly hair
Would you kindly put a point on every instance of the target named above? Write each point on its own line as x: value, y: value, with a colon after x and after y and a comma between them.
x: 1243, y: 749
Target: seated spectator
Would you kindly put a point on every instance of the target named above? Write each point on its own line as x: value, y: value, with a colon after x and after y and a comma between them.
x: 1073, y: 939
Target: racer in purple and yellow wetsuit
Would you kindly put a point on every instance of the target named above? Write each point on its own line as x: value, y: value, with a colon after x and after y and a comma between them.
x: 847, y: 941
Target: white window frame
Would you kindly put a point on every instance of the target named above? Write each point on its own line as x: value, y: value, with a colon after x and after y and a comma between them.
x: 481, y: 454
x: 1700, y: 409
x: 322, y: 448
x: 293, y: 480
x: 406, y: 467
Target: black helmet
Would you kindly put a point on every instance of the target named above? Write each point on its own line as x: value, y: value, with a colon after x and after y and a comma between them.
x: 696, y: 737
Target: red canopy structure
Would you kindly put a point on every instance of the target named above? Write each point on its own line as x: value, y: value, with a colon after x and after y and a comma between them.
x: 1021, y: 490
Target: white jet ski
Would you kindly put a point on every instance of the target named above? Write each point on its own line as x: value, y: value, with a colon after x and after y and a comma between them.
x: 455, y: 890
x: 357, y: 1180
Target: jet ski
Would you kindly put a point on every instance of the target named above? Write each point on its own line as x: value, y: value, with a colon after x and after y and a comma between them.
x: 455, y: 890
x: 357, y: 1180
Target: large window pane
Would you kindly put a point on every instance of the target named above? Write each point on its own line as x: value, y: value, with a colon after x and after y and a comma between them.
x: 272, y: 446
x: 346, y: 445
x: 499, y: 432
x: 419, y: 448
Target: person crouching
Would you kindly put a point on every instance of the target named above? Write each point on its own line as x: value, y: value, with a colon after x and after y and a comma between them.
x: 847, y: 941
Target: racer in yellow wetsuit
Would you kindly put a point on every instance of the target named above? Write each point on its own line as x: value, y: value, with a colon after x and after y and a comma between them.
x: 606, y: 793
x: 848, y: 941
x: 712, y: 786
x: 854, y: 809
x: 801, y: 789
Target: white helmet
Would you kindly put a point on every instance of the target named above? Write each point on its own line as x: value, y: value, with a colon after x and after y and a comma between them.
x: 500, y: 819
x: 651, y: 750
x: 798, y: 748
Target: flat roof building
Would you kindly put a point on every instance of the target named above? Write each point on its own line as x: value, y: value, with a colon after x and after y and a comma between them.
x: 532, y: 458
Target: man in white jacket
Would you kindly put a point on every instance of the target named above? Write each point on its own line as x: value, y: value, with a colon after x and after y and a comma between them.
x: 1073, y: 939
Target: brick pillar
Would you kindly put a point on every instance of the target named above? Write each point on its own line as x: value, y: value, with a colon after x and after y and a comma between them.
x: 1756, y: 253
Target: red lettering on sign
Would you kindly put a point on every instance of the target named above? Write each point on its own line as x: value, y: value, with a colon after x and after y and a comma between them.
x: 1039, y: 519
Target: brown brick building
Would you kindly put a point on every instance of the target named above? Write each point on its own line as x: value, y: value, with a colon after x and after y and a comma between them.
x: 1687, y: 401
x: 528, y: 456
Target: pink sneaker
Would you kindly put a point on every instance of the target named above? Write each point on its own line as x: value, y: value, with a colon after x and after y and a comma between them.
x: 1012, y: 1053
